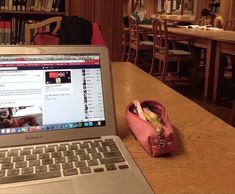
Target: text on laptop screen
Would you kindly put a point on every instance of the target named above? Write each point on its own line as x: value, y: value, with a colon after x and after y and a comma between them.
x: 50, y: 92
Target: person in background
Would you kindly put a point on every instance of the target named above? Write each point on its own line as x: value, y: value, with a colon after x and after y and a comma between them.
x: 211, y: 18
x: 139, y: 15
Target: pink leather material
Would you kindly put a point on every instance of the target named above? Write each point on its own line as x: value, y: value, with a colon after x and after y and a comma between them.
x: 97, y: 37
x: 45, y: 39
x: 146, y: 134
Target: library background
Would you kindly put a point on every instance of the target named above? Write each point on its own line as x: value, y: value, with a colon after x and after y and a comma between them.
x: 15, y: 13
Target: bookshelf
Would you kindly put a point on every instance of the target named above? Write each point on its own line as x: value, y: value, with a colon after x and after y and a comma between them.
x: 15, y: 13
x: 215, y: 5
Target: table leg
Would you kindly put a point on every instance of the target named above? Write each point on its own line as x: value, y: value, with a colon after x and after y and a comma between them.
x: 209, y: 72
x: 196, y: 56
x: 233, y: 69
x: 233, y: 119
x: 220, y: 61
x: 217, y: 71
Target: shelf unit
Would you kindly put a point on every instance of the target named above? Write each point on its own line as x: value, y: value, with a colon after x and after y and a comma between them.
x: 12, y: 21
x: 215, y: 5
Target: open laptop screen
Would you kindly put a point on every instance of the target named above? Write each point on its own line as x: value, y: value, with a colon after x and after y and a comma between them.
x: 50, y: 92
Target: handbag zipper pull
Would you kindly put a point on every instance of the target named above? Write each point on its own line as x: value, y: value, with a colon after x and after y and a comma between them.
x: 160, y: 141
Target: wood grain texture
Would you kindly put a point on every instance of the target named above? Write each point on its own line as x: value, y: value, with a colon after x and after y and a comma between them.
x: 83, y: 8
x: 217, y: 35
x: 227, y: 9
x: 108, y: 14
x: 150, y: 8
x: 67, y: 7
x: 201, y: 4
x: 205, y: 162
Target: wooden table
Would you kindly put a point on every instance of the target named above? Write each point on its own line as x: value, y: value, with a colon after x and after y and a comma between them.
x: 227, y: 48
x: 209, y: 40
x: 205, y: 162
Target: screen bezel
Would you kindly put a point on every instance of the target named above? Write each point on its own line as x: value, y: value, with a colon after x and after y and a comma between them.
x: 68, y: 134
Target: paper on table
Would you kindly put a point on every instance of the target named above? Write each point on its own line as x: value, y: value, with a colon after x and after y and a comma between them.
x: 203, y: 27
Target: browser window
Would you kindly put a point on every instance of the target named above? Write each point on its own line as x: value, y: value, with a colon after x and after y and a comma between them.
x: 38, y: 93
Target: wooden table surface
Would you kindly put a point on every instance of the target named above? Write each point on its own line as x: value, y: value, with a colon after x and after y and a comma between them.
x: 218, y: 35
x: 205, y: 162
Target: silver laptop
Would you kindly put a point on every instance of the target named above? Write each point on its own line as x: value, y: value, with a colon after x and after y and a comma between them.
x: 57, y: 124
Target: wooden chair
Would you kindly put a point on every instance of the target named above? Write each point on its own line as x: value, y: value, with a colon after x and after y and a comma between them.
x: 230, y: 25
x: 35, y: 26
x: 125, y: 38
x: 233, y: 119
x: 125, y: 43
x: 161, y: 49
x: 228, y: 63
x: 135, y: 42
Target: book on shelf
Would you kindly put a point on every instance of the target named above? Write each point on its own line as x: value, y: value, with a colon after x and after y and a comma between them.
x: 21, y: 32
x: 2, y: 4
x: 27, y: 8
x: 40, y: 5
x: 13, y: 30
x: 2, y: 39
x: 23, y: 5
x: 44, y: 4
x: 6, y: 5
x: 53, y: 6
x: 49, y: 5
x: 17, y: 30
x: 33, y: 5
x: 14, y: 5
x: 10, y: 5
x: 32, y: 2
x: 18, y: 5
x: 57, y: 5
x: 5, y: 32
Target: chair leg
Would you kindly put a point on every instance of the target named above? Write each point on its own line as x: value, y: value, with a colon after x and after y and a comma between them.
x: 129, y: 55
x: 233, y: 68
x: 123, y: 52
x: 136, y: 56
x: 233, y: 119
x: 160, y: 66
x: 152, y: 65
x: 164, y: 71
x: 178, y: 69
x: 195, y: 76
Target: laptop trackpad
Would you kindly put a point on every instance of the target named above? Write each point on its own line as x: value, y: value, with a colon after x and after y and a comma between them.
x: 65, y: 186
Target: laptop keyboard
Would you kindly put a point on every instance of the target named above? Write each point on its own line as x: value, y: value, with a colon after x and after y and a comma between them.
x: 58, y: 160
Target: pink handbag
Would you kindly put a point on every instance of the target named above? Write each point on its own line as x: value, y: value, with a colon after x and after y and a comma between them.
x: 155, y: 142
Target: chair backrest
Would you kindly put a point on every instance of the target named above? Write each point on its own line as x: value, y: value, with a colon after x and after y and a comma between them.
x: 160, y: 35
x: 233, y: 119
x: 133, y: 30
x: 37, y: 25
x: 125, y: 32
x: 125, y: 36
x: 125, y: 22
x: 230, y: 25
